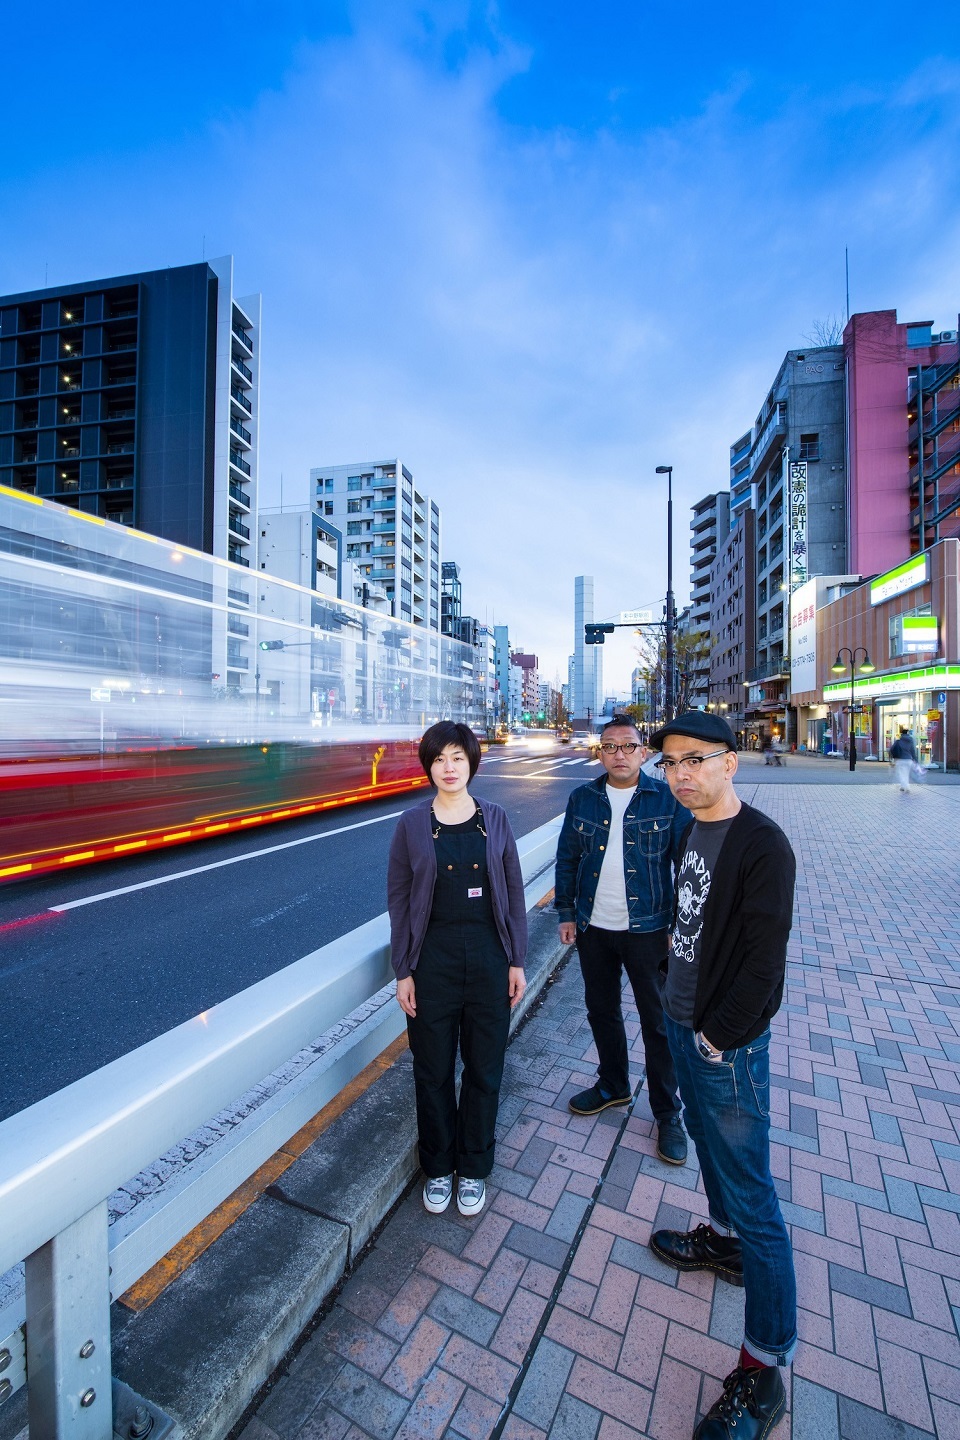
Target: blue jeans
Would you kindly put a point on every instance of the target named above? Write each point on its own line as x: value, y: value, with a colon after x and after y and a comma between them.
x: 727, y: 1114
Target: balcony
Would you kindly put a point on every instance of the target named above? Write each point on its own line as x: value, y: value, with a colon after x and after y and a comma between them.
x: 384, y: 551
x: 127, y: 413
x: 385, y: 505
x: 769, y: 670
x: 242, y: 597
x: 242, y: 336
x: 383, y: 574
x: 237, y: 662
x: 236, y: 626
x: 241, y: 399
x: 245, y: 370
x: 238, y: 429
x: 241, y: 496
x: 237, y: 556
x: 236, y: 458
x: 384, y: 482
x: 238, y: 527
x: 385, y: 529
x: 120, y: 447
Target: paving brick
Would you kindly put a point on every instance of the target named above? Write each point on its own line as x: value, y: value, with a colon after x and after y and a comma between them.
x: 674, y: 1304
x: 364, y: 1299
x: 501, y: 1279
x: 853, y: 1330
x: 358, y: 1342
x: 517, y: 1429
x: 856, y: 1381
x: 943, y: 1380
x: 592, y: 1255
x: 551, y: 1184
x: 642, y: 1346
x: 451, y: 1270
x: 429, y: 1415
x: 947, y: 1419
x: 408, y: 1305
x: 536, y: 1246
x: 675, y: 1402
x: 615, y: 1297
x: 517, y: 1328
x: 584, y: 1337
x: 544, y: 1383
x: 578, y: 1295
x: 477, y: 1367
x: 458, y: 1312
x: 859, y: 1422
x: 698, y: 1351
x: 487, y: 1238
x: 326, y: 1424
x: 475, y: 1416
x: 567, y: 1215
x: 613, y: 1394
x: 373, y: 1407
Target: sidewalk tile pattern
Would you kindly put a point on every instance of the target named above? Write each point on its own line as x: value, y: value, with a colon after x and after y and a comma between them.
x: 427, y: 1337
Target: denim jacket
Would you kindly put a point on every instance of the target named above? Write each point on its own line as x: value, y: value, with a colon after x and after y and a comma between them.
x: 652, y: 826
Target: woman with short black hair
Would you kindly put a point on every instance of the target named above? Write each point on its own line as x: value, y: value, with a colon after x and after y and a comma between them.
x: 458, y: 940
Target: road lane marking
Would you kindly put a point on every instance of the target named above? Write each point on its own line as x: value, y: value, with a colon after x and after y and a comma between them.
x: 218, y: 864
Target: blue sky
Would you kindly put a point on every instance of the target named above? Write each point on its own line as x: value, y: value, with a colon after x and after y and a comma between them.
x: 535, y: 248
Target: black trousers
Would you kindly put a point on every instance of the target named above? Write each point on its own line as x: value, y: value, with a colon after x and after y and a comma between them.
x: 462, y: 996
x: 604, y: 955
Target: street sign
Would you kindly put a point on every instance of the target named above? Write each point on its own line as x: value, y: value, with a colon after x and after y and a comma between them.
x: 942, y: 699
x: 636, y: 617
x: 933, y: 715
x: 102, y: 696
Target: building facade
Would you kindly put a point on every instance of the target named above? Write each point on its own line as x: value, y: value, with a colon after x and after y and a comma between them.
x: 391, y: 530
x: 587, y: 697
x: 709, y: 526
x: 136, y: 399
x: 297, y: 545
x: 733, y: 620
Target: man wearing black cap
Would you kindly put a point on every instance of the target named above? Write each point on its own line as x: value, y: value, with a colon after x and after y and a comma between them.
x: 735, y: 875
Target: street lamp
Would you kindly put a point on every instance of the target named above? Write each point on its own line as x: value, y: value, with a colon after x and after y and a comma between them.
x: 866, y: 667
x: 670, y: 666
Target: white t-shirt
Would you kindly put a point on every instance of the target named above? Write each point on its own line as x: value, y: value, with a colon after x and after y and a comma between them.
x: 610, y: 903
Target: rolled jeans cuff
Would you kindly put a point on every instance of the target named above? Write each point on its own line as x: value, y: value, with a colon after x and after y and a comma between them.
x: 721, y: 1227
x: 780, y: 1357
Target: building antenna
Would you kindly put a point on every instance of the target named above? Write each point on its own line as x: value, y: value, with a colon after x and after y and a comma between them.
x: 281, y: 491
x: 846, y: 263
x: 203, y: 249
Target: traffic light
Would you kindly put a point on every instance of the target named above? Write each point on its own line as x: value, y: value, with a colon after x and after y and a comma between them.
x: 271, y: 644
x: 593, y: 634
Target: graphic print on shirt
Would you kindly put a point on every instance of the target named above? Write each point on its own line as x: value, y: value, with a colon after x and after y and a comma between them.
x: 693, y: 887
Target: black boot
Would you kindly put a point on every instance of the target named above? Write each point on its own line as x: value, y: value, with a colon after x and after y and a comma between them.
x: 751, y: 1404
x: 700, y: 1249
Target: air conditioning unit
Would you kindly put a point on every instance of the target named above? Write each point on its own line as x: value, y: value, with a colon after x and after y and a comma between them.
x: 948, y: 337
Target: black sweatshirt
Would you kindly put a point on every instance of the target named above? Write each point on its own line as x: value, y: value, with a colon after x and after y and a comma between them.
x: 746, y: 925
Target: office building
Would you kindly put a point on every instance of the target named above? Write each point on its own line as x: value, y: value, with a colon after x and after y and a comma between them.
x: 709, y: 526
x: 136, y: 399
x: 391, y: 530
x: 587, y: 697
x: 506, y: 714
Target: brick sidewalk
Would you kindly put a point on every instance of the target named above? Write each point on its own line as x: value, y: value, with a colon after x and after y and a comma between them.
x: 428, y: 1336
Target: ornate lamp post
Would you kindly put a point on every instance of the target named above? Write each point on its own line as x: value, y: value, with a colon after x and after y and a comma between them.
x: 866, y: 667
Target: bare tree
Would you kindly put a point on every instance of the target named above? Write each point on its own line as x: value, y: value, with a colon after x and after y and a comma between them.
x: 828, y: 331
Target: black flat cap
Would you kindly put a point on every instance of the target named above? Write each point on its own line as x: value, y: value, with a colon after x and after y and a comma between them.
x: 698, y: 725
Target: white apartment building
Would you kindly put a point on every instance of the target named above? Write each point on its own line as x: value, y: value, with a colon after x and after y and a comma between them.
x: 391, y: 532
x: 296, y: 545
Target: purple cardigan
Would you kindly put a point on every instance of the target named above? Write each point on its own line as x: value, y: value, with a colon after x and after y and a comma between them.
x: 412, y: 875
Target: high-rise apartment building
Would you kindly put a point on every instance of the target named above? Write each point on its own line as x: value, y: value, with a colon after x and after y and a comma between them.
x: 733, y: 619
x: 587, y: 698
x: 391, y: 531
x: 298, y: 546
x: 709, y: 526
x: 135, y: 398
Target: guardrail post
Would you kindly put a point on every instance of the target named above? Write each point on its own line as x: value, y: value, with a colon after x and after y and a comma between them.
x: 68, y: 1333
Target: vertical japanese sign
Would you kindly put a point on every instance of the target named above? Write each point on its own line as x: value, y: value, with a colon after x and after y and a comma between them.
x: 798, y: 524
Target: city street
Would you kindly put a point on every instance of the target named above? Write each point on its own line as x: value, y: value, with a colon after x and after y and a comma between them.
x: 135, y: 957
x: 549, y: 1316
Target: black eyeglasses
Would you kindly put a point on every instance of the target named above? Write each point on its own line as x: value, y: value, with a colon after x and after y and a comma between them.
x: 609, y: 748
x: 694, y: 761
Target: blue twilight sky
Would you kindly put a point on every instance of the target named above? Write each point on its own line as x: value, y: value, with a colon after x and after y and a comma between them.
x: 535, y: 248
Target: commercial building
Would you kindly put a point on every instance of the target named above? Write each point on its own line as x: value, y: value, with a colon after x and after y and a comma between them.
x: 709, y: 526
x: 526, y: 665
x: 733, y: 621
x: 908, y: 622
x: 391, y: 530
x: 136, y: 399
x: 586, y: 700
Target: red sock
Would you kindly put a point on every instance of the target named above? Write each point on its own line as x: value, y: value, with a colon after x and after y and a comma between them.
x: 750, y: 1362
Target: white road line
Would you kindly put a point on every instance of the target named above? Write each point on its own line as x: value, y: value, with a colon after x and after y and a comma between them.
x: 218, y: 864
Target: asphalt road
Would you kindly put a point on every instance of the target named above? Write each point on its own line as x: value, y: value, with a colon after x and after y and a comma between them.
x: 87, y: 984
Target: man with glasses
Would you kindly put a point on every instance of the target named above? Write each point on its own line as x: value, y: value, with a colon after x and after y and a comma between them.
x: 734, y: 908
x: 614, y: 897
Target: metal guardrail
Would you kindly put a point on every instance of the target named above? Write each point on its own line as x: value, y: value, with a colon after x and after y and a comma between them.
x: 61, y: 1158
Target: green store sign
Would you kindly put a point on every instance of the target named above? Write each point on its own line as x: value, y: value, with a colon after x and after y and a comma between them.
x: 903, y: 682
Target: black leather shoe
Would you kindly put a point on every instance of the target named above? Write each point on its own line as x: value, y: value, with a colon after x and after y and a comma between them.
x: 749, y: 1408
x: 592, y: 1101
x: 672, y: 1141
x: 700, y: 1249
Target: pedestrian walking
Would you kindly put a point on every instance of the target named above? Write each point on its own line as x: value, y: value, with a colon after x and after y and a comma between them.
x: 458, y: 939
x: 735, y: 883
x: 903, y: 753
x: 614, y: 897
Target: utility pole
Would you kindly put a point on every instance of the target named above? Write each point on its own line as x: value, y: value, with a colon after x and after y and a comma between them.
x: 670, y: 685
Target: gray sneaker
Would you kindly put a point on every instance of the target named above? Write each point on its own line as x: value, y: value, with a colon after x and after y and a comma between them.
x: 437, y: 1193
x: 470, y: 1196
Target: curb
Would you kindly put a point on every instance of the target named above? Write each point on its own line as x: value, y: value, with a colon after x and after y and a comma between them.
x: 210, y: 1342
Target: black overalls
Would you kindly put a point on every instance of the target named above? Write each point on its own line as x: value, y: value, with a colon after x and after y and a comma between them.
x: 461, y: 984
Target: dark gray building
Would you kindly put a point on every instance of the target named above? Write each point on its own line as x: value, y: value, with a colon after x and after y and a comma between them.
x: 135, y: 398
x: 801, y: 423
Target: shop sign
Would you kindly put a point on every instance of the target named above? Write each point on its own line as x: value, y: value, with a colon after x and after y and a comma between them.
x: 903, y: 682
x: 803, y: 638
x: 933, y: 715
x: 798, y: 525
x: 916, y: 634
x: 905, y: 577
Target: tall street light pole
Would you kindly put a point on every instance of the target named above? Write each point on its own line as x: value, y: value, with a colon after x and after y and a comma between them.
x: 866, y: 667
x: 670, y: 688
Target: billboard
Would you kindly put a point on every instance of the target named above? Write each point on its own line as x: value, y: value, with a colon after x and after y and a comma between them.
x: 803, y: 638
x: 904, y: 577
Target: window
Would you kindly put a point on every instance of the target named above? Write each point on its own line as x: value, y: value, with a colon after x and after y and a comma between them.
x: 354, y: 482
x: 354, y: 527
x: 353, y: 552
x: 809, y: 447
x: 354, y: 507
x: 328, y: 507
